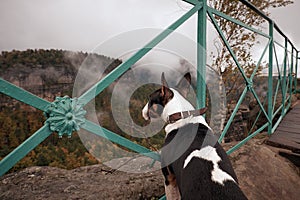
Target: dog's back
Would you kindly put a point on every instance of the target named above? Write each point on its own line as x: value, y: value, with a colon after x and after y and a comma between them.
x: 202, y: 169
x: 192, y: 159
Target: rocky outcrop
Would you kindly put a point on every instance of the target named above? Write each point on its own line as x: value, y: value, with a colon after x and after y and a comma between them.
x: 262, y: 174
x: 92, y: 182
x: 49, y: 73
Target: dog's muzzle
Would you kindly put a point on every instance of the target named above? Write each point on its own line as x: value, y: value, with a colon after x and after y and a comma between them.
x: 145, y: 112
x: 152, y: 112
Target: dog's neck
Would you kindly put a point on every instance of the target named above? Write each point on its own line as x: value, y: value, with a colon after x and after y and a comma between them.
x: 183, y: 122
x: 179, y: 104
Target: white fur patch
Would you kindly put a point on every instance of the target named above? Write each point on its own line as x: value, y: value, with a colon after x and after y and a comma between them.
x: 145, y: 112
x: 177, y: 104
x: 182, y: 122
x: 209, y: 153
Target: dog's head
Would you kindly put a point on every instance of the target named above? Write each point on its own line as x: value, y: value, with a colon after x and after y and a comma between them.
x: 166, y: 101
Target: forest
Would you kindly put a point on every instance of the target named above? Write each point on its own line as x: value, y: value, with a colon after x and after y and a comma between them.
x: 52, y: 73
x: 19, y: 121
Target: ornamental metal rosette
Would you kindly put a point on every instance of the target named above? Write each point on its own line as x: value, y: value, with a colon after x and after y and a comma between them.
x: 65, y: 115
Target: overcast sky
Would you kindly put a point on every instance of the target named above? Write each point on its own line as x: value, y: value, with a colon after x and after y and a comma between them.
x: 81, y: 25
x: 287, y: 19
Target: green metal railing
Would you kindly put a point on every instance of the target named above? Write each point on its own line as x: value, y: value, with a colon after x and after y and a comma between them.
x: 268, y: 113
x: 66, y: 115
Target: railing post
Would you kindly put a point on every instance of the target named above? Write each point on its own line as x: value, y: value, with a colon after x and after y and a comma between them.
x: 296, y: 71
x: 270, y: 77
x: 284, y: 88
x: 201, y: 56
x: 291, y: 77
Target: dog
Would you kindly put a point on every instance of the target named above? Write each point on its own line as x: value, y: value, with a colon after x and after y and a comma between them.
x: 194, y: 164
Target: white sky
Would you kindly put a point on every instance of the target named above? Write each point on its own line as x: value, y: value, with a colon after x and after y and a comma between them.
x: 77, y: 24
x: 81, y: 25
x: 287, y: 19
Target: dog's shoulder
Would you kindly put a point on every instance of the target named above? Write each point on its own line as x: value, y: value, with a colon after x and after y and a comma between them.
x: 190, y: 131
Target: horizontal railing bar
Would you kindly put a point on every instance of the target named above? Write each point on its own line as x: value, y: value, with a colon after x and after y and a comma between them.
x: 257, y: 117
x: 282, y: 34
x: 286, y: 110
x: 260, y: 104
x: 115, y: 138
x: 220, y: 14
x: 278, y: 70
x: 262, y: 14
x: 247, y: 139
x: 23, y: 149
x: 233, y: 114
x: 22, y: 95
x: 275, y: 97
x: 252, y: 7
x: 277, y: 123
x: 259, y: 61
x: 294, y: 56
x: 286, y: 100
x: 220, y: 32
x: 278, y: 109
x: 283, y: 47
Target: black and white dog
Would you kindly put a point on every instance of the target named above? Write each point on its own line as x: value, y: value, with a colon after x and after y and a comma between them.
x: 194, y: 164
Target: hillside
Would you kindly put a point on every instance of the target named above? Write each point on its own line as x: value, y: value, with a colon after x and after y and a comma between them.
x: 49, y: 74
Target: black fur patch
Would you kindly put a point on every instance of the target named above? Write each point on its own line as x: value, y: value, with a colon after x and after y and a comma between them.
x: 195, y: 181
x: 158, y: 100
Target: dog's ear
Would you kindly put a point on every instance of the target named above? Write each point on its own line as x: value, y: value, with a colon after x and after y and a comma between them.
x: 163, y: 80
x: 165, y: 91
x: 184, y: 85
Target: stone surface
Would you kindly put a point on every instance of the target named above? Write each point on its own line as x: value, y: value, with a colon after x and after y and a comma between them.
x: 263, y: 175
